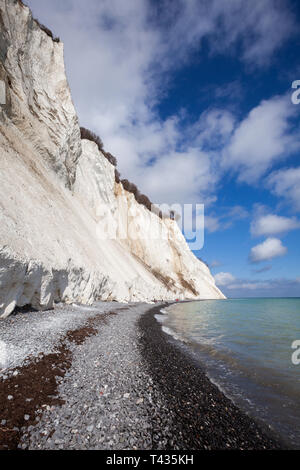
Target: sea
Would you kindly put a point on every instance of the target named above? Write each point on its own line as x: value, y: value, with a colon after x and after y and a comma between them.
x: 250, y: 348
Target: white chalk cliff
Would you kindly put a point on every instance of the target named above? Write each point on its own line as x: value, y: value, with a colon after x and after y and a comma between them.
x: 58, y: 196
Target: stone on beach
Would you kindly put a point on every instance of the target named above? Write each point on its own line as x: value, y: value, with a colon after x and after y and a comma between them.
x: 156, y: 398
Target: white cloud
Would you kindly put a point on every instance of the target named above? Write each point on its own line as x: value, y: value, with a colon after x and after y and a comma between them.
x: 267, y: 288
x: 250, y: 285
x: 213, y: 129
x: 223, y: 279
x: 272, y: 224
x: 262, y: 138
x: 215, y: 263
x: 269, y: 249
x: 264, y: 269
x: 285, y: 183
x: 259, y: 28
x: 119, y: 58
x: 177, y: 177
x: 211, y: 224
x: 227, y: 218
x: 231, y: 90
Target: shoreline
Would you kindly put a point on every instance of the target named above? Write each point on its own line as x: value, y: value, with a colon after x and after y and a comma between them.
x: 119, y: 383
x: 102, y: 399
x: 203, y: 418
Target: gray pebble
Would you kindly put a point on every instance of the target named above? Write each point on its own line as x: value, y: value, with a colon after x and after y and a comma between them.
x: 102, y: 408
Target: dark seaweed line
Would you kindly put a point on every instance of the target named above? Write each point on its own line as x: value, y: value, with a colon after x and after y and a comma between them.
x: 203, y: 417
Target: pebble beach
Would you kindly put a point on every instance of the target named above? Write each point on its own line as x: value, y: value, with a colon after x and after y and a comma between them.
x: 107, y: 377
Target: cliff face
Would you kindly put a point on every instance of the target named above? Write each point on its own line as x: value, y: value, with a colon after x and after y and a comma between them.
x: 58, y: 196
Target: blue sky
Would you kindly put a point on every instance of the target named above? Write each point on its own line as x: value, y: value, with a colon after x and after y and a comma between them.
x: 194, y: 98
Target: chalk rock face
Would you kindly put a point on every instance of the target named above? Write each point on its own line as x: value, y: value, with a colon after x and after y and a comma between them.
x: 68, y: 232
x: 157, y: 243
x: 39, y: 102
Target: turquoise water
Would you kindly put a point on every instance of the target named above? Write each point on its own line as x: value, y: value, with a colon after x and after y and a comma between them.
x: 246, y: 347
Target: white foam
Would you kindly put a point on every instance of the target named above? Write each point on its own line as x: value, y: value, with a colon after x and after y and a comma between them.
x: 172, y: 333
x: 160, y: 318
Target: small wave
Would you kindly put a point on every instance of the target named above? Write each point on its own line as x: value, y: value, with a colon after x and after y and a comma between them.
x: 217, y: 383
x: 160, y: 318
x: 172, y: 333
x: 163, y: 311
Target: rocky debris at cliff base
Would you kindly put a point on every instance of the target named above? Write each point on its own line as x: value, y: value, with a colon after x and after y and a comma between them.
x: 107, y: 399
x: 129, y: 387
x: 27, y: 390
x: 27, y: 333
